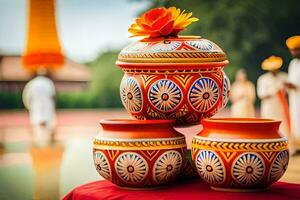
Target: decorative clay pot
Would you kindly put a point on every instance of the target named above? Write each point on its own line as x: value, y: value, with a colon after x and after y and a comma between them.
x: 139, y: 153
x: 175, y: 78
x: 240, y: 154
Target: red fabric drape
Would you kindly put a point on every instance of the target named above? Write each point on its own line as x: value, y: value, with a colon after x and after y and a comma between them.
x: 187, y: 191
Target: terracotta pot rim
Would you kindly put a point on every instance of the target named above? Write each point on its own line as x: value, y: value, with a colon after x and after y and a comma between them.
x: 171, y: 65
x: 138, y: 139
x: 241, y: 120
x: 254, y: 140
x: 135, y: 122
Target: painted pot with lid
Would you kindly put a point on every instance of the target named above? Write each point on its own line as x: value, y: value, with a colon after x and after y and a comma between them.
x: 179, y: 78
x: 168, y: 76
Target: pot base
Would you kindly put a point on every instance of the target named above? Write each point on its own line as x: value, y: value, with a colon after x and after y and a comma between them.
x: 238, y: 190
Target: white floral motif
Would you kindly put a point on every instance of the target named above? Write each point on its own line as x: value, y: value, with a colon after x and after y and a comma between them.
x: 210, y: 167
x: 165, y: 95
x: 248, y: 169
x: 135, y: 47
x: 204, y: 94
x: 226, y: 90
x: 167, y: 166
x: 166, y: 46
x: 131, y: 94
x: 102, y: 165
x: 279, y: 166
x: 203, y: 44
x: 131, y: 167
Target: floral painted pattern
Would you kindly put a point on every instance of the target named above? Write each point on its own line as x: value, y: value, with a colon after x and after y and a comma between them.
x: 102, y: 165
x: 166, y: 46
x: 135, y: 47
x: 203, y: 44
x: 165, y: 95
x: 167, y: 166
x: 131, y: 167
x: 248, y: 169
x: 226, y: 90
x: 279, y: 166
x: 210, y: 167
x: 204, y: 94
x: 131, y: 94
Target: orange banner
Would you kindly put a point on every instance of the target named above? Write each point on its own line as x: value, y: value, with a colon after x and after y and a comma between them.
x: 43, y: 48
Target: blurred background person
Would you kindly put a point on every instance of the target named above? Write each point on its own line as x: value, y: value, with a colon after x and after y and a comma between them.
x: 39, y: 99
x: 271, y: 91
x: 293, y: 84
x: 242, y: 96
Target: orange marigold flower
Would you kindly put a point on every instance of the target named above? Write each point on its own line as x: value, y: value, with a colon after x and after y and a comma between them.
x: 161, y: 22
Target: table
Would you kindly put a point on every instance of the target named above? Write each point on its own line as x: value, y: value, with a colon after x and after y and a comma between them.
x: 184, y: 190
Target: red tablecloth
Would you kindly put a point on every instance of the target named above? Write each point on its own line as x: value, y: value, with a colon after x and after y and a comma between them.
x: 187, y: 191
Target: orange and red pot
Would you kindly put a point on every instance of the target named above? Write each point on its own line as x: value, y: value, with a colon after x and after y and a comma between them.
x: 139, y: 153
x: 179, y: 78
x: 240, y: 154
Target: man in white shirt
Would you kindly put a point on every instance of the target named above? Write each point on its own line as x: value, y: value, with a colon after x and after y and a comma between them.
x: 39, y: 99
x: 271, y: 91
x: 293, y: 83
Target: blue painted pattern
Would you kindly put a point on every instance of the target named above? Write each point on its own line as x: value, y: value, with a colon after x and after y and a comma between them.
x: 210, y: 167
x: 204, y: 94
x: 165, y: 95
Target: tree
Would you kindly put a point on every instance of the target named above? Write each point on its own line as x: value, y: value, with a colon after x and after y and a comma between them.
x: 248, y: 31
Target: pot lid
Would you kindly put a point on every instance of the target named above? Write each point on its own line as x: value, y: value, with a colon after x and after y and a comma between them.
x: 187, y: 49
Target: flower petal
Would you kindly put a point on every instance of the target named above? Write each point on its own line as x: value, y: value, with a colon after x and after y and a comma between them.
x: 160, y: 22
x: 153, y: 14
x: 167, y: 29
